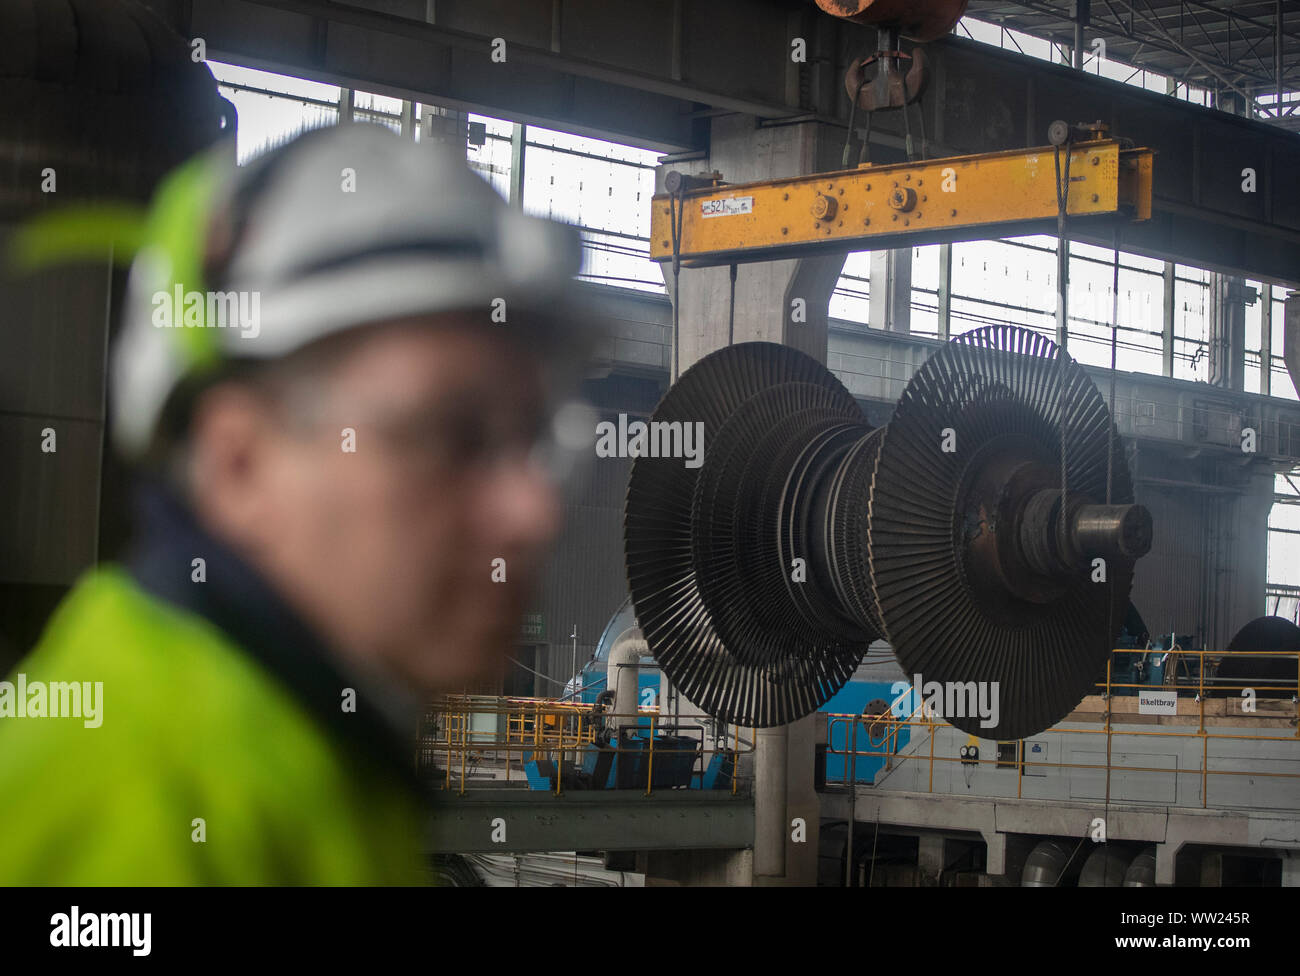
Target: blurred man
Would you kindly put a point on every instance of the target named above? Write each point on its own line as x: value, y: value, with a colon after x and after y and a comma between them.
x: 340, y: 365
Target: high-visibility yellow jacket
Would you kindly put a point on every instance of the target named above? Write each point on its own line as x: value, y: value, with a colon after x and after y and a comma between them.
x: 205, y: 767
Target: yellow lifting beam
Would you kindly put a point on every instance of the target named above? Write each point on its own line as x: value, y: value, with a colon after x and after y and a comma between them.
x: 871, y: 207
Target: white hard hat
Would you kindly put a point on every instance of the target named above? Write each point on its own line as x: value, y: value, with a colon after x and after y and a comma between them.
x: 340, y: 228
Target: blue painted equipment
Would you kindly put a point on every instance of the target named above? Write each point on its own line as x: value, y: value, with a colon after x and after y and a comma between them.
x: 872, y: 736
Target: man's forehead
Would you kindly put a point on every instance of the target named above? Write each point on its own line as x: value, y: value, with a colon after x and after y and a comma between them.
x: 444, y: 364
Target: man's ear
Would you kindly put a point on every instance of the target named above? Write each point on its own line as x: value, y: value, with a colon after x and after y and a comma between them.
x: 228, y: 459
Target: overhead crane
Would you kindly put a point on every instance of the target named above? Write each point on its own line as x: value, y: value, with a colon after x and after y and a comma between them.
x: 703, y: 220
x: 874, y: 207
x: 992, y: 576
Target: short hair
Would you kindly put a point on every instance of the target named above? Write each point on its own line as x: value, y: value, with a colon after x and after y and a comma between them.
x: 276, y: 382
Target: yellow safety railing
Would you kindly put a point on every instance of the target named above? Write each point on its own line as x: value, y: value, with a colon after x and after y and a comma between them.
x: 1178, y: 726
x: 526, y: 729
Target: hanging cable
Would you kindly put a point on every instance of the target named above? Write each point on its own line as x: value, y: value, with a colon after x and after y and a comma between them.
x: 853, y: 111
x: 1114, y: 340
x: 907, y: 122
x: 1110, y: 477
x: 731, y: 311
x: 1062, y: 314
x: 546, y: 677
x: 864, y: 154
x: 925, y: 142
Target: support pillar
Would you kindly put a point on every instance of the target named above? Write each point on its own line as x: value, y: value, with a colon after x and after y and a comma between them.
x: 1266, y: 342
x: 931, y: 857
x: 1291, y: 869
x: 945, y: 292
x: 771, y: 791
x: 518, y: 141
x: 775, y: 301
x: 1082, y: 15
x: 891, y: 290
x: 1229, y: 297
x: 802, y: 802
x: 1291, y: 337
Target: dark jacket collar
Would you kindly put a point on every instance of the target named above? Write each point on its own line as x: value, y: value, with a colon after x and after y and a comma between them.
x: 236, y: 599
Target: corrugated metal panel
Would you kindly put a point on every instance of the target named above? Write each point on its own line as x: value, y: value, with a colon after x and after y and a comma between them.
x: 1167, y: 587
x: 585, y: 582
x: 1205, y: 572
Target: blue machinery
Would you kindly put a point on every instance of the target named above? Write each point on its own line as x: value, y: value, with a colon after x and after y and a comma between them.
x: 615, y: 761
x: 678, y: 759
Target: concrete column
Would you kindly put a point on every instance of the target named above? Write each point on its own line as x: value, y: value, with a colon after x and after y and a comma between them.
x: 802, y: 801
x: 945, y: 291
x: 1291, y: 869
x: 1006, y: 858
x: 518, y: 141
x: 1228, y: 300
x: 783, y: 795
x: 771, y: 791
x: 931, y: 856
x: 1167, y: 861
x: 1266, y: 341
x: 891, y: 290
x: 775, y: 301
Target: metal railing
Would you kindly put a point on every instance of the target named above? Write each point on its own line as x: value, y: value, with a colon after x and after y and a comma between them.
x: 888, y: 728
x: 538, y: 729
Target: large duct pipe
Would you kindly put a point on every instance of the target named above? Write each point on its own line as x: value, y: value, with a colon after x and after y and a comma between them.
x: 98, y: 99
x: 1106, y: 867
x: 1046, y: 864
x: 622, y: 674
x: 1142, y: 872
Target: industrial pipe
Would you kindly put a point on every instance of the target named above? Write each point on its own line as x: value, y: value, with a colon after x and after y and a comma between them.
x: 622, y: 674
x: 1142, y: 872
x: 1106, y: 867
x: 1046, y: 864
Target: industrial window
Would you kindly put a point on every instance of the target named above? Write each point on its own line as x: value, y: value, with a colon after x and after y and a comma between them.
x: 602, y: 187
x: 851, y: 300
x: 1093, y: 308
x: 1191, y: 323
x: 1283, y: 593
x: 605, y: 189
x: 1254, y: 313
x: 1044, y: 50
x: 925, y: 290
x: 491, y: 160
x: 1281, y: 382
x: 273, y: 108
x: 379, y: 109
x: 1004, y: 281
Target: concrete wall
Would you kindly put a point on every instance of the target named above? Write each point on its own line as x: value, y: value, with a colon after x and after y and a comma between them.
x: 1206, y: 572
